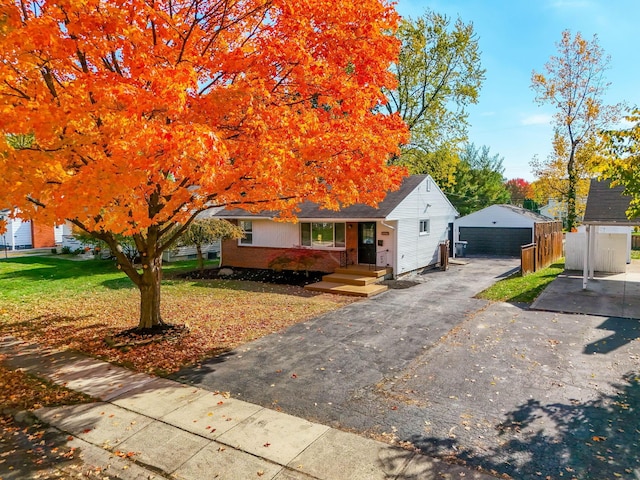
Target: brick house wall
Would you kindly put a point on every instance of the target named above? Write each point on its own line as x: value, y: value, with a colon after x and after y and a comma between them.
x: 42, y: 235
x: 242, y: 256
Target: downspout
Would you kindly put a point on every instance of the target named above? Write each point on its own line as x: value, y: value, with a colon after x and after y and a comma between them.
x: 585, y: 257
x: 387, y: 225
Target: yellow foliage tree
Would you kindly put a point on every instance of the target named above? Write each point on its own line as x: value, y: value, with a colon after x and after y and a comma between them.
x: 573, y: 84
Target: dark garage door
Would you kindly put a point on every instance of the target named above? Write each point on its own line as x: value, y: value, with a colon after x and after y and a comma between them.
x: 495, y: 241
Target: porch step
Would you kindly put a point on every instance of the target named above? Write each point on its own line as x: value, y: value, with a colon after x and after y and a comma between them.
x: 346, y: 289
x: 365, y: 271
x: 350, y: 279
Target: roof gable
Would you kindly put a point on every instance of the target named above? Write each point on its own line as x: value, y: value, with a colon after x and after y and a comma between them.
x: 607, y: 205
x: 505, y: 211
x: 312, y: 210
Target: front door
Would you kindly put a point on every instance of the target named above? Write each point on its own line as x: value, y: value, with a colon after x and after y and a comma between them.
x: 367, y: 243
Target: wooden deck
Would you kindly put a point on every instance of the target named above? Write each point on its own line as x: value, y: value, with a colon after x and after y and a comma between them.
x: 353, y: 280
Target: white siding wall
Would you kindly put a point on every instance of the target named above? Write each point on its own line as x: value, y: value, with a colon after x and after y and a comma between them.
x: 18, y: 234
x: 267, y: 233
x: 59, y: 232
x: 426, y: 202
x: 611, y: 251
x: 385, y: 253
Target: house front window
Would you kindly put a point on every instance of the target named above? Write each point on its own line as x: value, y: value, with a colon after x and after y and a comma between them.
x: 322, y: 234
x: 247, y: 227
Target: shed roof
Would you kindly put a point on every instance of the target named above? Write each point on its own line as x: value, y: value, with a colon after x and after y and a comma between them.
x: 607, y: 205
x: 313, y: 210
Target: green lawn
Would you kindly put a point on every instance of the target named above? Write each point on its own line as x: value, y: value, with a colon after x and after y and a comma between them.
x: 635, y: 254
x: 23, y: 278
x: 517, y: 288
x: 83, y: 304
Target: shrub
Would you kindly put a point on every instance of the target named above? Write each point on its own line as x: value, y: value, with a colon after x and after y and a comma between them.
x: 295, y: 259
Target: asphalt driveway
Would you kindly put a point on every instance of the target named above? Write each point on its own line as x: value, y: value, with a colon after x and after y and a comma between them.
x: 523, y: 393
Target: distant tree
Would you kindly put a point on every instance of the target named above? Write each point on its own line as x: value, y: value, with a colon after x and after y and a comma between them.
x: 206, y: 231
x: 519, y: 189
x: 439, y: 75
x: 623, y: 167
x: 478, y: 181
x: 552, y: 179
x: 574, y: 83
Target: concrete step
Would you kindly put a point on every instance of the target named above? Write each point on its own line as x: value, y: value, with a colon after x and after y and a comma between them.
x: 349, y: 279
x: 365, y: 271
x: 345, y: 289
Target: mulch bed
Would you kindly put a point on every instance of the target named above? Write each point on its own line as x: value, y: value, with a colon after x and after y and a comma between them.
x: 284, y: 277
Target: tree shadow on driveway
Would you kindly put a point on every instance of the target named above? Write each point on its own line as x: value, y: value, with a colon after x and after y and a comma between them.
x: 594, y: 439
x: 625, y: 330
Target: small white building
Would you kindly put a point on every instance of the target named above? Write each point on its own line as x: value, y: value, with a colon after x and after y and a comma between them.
x: 605, y: 245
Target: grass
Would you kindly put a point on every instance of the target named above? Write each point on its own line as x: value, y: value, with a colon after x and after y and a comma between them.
x: 635, y: 254
x: 517, y: 288
x: 64, y: 303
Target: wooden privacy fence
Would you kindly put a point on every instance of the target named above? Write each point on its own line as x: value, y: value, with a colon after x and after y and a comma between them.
x: 546, y: 248
x: 635, y: 242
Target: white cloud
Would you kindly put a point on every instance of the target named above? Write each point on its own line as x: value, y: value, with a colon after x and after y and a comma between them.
x: 537, y: 119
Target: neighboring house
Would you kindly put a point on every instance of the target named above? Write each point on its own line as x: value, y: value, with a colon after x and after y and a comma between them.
x: 209, y: 251
x: 606, y: 241
x: 403, y: 233
x: 558, y: 209
x: 498, y: 230
x: 554, y: 209
x: 21, y: 234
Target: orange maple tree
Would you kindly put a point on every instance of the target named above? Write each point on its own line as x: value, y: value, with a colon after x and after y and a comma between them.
x: 133, y: 116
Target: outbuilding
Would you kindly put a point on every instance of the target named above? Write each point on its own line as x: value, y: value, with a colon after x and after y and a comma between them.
x: 498, y: 230
x: 607, y: 230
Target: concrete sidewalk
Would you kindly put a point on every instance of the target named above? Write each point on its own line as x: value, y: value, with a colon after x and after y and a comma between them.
x: 144, y: 427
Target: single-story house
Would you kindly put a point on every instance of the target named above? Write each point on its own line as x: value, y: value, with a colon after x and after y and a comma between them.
x: 403, y: 233
x: 607, y: 229
x: 24, y: 234
x: 497, y: 230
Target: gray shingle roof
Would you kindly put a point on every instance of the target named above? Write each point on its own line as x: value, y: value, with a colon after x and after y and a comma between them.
x: 607, y: 205
x: 312, y: 210
x: 536, y: 217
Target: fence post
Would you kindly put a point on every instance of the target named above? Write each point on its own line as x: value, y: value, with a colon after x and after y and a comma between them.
x: 444, y: 255
x: 528, y: 259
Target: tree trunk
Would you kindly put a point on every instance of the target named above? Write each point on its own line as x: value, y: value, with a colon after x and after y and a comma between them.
x: 200, y: 258
x: 150, y: 293
x: 571, y: 190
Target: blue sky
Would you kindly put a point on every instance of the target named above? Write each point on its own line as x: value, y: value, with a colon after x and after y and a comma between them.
x: 517, y: 37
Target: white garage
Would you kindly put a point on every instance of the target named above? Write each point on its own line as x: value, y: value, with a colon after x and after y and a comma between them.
x: 498, y: 230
